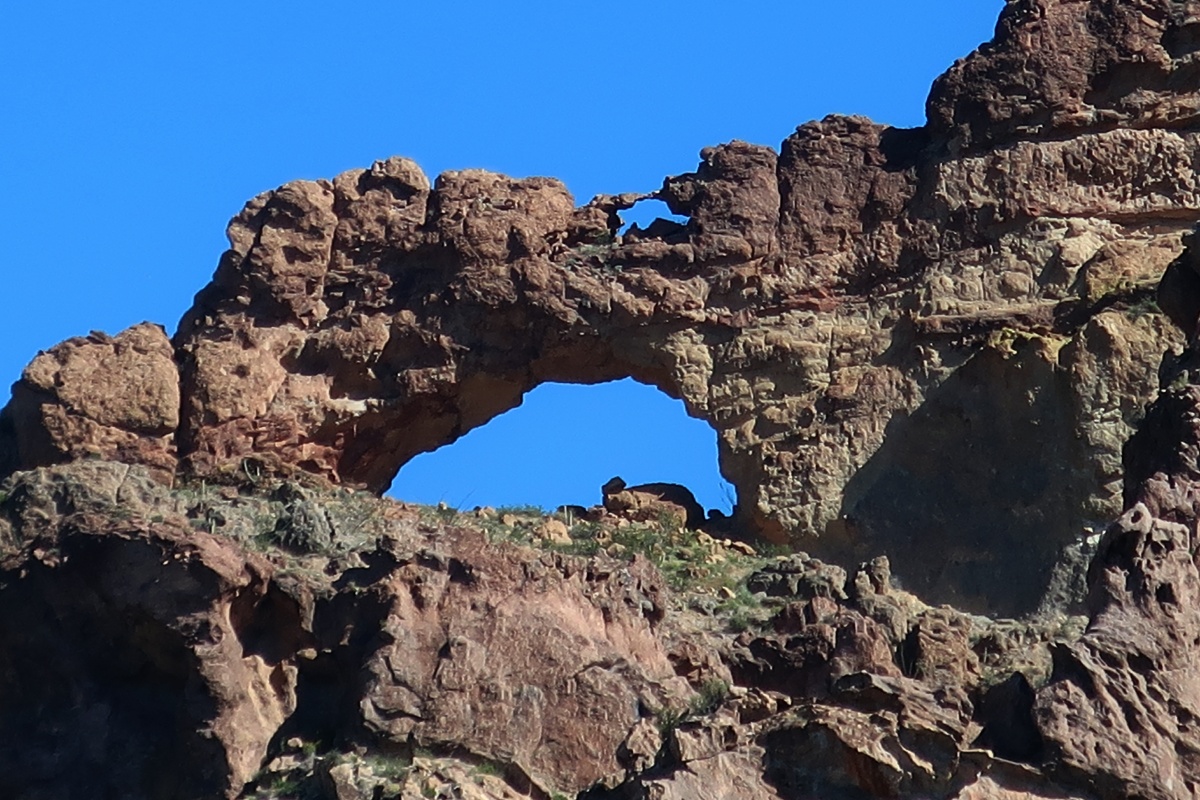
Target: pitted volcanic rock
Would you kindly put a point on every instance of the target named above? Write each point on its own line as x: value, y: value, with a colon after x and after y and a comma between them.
x: 877, y: 323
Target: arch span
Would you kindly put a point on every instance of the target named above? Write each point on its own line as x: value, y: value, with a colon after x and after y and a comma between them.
x: 811, y: 304
x: 358, y: 323
x: 563, y: 443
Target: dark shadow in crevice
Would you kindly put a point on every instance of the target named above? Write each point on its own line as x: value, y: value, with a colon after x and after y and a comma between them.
x: 972, y: 496
x: 1009, y: 730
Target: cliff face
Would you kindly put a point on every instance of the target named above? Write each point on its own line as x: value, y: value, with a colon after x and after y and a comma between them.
x: 877, y: 322
x: 923, y: 352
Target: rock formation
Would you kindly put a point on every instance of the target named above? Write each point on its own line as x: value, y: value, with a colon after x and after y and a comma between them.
x: 923, y: 352
x: 877, y: 322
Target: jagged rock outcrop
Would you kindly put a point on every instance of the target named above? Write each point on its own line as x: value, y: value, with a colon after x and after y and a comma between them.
x: 133, y: 662
x: 1123, y: 704
x: 929, y: 344
x: 100, y: 396
x: 877, y: 322
x: 149, y: 652
x: 174, y: 643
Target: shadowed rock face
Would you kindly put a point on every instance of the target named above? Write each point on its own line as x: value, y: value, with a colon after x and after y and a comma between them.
x: 878, y: 323
x: 1123, y: 703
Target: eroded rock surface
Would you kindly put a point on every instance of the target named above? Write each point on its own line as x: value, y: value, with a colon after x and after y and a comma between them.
x: 876, y: 322
x: 100, y: 396
x: 177, y: 656
x: 923, y: 352
x: 174, y: 643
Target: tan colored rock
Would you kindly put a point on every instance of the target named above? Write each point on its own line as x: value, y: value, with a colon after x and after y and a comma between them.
x: 876, y: 322
x: 733, y: 775
x: 1122, y: 701
x: 553, y: 530
x: 110, y: 397
x: 666, y: 503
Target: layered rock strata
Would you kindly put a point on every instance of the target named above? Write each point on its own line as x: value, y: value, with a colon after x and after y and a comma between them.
x: 876, y: 322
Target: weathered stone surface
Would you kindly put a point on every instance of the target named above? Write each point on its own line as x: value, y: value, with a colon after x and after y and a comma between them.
x: 876, y: 322
x: 409, y: 635
x: 1123, y: 703
x: 1058, y: 67
x: 139, y: 658
x: 112, y: 397
x: 537, y: 664
x: 652, y: 502
x: 931, y: 344
x: 439, y: 640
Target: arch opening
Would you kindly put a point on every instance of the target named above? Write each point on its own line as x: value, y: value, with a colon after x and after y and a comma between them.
x: 651, y: 215
x: 563, y: 442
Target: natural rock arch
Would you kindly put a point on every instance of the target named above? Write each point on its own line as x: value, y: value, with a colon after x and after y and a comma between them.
x: 812, y: 304
x: 563, y: 443
x: 440, y: 308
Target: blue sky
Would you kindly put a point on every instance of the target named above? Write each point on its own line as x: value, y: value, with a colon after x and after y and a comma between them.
x: 130, y: 132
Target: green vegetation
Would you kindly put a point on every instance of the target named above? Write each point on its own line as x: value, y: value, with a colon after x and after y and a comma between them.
x: 390, y: 767
x: 742, y: 611
x: 300, y: 529
x: 597, y: 253
x: 712, y: 695
x: 521, y: 511
x: 253, y: 471
x: 439, y: 514
x: 296, y: 785
x: 1143, y: 306
x: 703, y: 572
x: 668, y: 720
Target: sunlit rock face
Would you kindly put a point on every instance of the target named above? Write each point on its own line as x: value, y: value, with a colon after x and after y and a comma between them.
x: 928, y: 343
x: 973, y: 347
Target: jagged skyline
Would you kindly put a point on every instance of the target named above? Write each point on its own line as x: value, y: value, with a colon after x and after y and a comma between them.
x: 140, y: 131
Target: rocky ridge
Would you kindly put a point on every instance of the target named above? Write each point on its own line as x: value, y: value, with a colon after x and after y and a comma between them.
x: 877, y: 322
x: 275, y: 640
x: 923, y: 351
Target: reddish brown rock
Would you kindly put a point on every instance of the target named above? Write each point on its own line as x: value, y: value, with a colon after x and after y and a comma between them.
x: 930, y: 343
x: 139, y: 658
x: 1058, y: 67
x: 938, y: 649
x: 403, y: 637
x: 1121, y: 705
x: 175, y: 653
x: 111, y: 397
x: 653, y: 502
x: 876, y: 322
x: 540, y: 664
x: 843, y: 315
